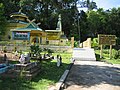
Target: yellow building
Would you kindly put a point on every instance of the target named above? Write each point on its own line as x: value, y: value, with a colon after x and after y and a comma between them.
x: 18, y: 20
x: 31, y: 33
x: 23, y: 29
x: 55, y: 37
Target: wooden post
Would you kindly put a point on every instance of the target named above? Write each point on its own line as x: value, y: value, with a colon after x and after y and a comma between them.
x: 72, y: 42
x: 110, y: 52
x: 101, y: 51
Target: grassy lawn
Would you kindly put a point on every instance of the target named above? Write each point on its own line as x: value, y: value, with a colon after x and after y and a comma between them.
x: 49, y: 75
x: 106, y: 56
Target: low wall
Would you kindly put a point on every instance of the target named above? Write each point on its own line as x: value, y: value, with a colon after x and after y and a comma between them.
x: 27, y: 48
x: 58, y: 48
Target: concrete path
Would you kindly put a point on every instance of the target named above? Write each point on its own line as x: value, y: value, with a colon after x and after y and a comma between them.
x: 84, y: 54
x: 93, y: 75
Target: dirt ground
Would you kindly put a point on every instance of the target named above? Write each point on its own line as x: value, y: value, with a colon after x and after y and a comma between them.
x: 93, y: 75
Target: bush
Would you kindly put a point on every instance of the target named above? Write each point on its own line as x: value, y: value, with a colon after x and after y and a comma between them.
x: 94, y: 43
x: 76, y: 44
x: 50, y: 51
x: 117, y: 55
x: 106, y: 51
x: 118, y: 41
x: 35, y: 49
x: 68, y: 43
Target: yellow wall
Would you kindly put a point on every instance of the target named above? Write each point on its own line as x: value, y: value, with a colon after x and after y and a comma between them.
x: 43, y: 40
x: 16, y: 25
x: 53, y: 35
x: 54, y: 42
x: 19, y: 18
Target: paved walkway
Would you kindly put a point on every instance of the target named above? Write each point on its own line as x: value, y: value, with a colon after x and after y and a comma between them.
x: 93, y: 75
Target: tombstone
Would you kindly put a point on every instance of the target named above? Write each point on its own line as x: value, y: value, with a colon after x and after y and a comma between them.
x: 16, y: 53
x: 72, y: 60
x: 22, y: 59
x: 5, y: 59
x: 27, y: 58
x: 59, y: 60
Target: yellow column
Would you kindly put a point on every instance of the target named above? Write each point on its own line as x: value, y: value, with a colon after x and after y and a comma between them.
x: 101, y: 51
x: 110, y: 51
x: 31, y: 38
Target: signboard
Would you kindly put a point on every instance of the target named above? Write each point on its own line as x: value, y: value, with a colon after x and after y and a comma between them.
x: 106, y: 39
x: 21, y: 35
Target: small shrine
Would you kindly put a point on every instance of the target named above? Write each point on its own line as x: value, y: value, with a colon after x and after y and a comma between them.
x: 31, y: 33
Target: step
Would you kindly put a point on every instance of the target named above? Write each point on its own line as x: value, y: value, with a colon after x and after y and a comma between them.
x: 32, y: 70
x: 84, y: 54
x: 25, y: 66
x: 32, y: 75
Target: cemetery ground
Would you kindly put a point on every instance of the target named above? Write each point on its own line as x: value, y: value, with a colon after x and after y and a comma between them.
x: 48, y: 76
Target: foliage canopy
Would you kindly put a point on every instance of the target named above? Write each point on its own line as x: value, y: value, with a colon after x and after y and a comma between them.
x: 46, y: 12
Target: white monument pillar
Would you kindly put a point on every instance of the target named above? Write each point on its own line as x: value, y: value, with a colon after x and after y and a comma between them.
x: 59, y: 24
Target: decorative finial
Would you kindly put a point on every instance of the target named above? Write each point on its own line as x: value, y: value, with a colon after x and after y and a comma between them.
x: 59, y: 25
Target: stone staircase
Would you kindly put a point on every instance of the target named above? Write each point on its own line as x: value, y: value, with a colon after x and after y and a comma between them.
x: 84, y: 54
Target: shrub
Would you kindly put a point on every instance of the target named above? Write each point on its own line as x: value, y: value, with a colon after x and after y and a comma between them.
x: 35, y: 49
x: 50, y: 51
x: 76, y: 44
x: 94, y: 43
x: 117, y: 55
x: 68, y: 43
x: 106, y: 51
x: 118, y: 41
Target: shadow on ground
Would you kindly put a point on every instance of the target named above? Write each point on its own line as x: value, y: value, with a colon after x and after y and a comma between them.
x: 91, y: 75
x: 50, y: 71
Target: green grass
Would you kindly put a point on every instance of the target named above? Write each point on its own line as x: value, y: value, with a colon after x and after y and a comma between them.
x: 106, y: 56
x: 49, y: 75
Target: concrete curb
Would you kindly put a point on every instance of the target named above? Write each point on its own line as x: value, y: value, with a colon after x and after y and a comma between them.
x: 59, y: 84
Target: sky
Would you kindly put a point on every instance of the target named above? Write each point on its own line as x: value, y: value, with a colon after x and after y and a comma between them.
x: 107, y: 4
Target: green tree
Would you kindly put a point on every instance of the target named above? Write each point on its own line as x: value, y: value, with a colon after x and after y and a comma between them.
x: 2, y: 21
x: 84, y: 33
x: 90, y: 5
x: 93, y: 22
x: 10, y: 6
x: 114, y: 21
